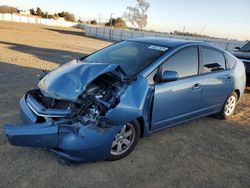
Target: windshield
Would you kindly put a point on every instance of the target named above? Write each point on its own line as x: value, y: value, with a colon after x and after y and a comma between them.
x: 131, y: 56
x: 246, y: 47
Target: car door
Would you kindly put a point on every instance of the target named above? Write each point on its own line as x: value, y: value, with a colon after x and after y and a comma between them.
x: 178, y: 100
x: 217, y: 80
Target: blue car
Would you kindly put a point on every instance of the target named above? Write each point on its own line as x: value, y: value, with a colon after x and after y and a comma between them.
x: 97, y: 107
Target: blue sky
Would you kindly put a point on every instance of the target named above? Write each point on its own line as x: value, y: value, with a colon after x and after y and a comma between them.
x: 221, y: 18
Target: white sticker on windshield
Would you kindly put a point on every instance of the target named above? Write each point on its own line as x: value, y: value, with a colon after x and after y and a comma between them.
x: 161, y: 48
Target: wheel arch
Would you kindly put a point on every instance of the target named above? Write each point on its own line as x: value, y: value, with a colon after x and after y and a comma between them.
x: 142, y: 125
x: 237, y: 91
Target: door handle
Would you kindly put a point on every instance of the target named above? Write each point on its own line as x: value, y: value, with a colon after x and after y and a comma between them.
x: 196, y: 86
x: 229, y: 79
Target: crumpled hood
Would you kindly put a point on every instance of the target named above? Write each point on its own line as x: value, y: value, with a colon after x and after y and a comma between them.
x: 68, y: 81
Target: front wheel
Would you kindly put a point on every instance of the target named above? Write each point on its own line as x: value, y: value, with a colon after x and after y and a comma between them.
x: 125, y: 141
x: 229, y: 107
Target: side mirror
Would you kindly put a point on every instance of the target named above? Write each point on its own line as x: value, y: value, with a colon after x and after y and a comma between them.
x: 237, y: 49
x: 166, y: 76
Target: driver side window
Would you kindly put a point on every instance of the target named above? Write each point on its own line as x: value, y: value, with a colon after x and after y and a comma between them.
x: 185, y: 62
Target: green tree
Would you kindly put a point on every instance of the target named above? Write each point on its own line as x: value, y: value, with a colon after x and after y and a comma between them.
x: 61, y: 14
x: 39, y: 11
x: 56, y: 16
x: 51, y: 16
x: 45, y: 15
x: 117, y: 22
x: 69, y: 17
x: 32, y: 12
x: 93, y: 22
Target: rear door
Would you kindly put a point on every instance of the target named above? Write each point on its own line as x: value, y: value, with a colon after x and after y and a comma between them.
x: 217, y: 80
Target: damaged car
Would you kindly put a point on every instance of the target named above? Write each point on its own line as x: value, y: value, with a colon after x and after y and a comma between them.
x: 97, y: 107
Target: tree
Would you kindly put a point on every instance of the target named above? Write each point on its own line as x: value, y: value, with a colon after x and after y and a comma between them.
x: 137, y: 15
x: 69, y: 17
x: 93, y: 22
x: 61, y: 14
x: 32, y: 12
x: 56, y: 16
x: 117, y: 22
x: 39, y: 12
x: 51, y: 16
x: 45, y: 15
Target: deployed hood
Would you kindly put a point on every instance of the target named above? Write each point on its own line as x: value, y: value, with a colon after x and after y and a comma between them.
x: 68, y: 81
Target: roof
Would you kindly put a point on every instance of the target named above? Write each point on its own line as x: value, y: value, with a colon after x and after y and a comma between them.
x: 165, y: 41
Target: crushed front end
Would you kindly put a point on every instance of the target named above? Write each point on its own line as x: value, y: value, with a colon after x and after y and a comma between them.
x: 75, y: 128
x: 78, y: 110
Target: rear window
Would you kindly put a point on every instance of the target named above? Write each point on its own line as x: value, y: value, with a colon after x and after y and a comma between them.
x: 213, y: 60
x: 231, y: 61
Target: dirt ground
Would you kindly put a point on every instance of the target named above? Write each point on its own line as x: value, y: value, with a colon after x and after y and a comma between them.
x: 202, y: 153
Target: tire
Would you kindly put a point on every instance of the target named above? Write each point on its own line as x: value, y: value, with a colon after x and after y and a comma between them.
x: 228, y: 108
x: 121, y: 147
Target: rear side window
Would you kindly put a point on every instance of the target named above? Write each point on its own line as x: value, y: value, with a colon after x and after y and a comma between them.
x: 185, y: 62
x: 231, y: 61
x: 213, y: 60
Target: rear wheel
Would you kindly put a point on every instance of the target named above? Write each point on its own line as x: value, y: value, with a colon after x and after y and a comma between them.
x: 125, y: 141
x: 229, y: 107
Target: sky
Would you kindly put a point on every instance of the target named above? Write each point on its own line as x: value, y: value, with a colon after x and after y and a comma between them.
x: 218, y: 18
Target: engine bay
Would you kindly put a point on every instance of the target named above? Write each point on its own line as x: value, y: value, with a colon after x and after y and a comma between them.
x: 91, y: 106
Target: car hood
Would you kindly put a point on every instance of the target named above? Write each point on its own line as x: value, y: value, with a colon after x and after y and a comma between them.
x: 242, y: 55
x: 68, y: 81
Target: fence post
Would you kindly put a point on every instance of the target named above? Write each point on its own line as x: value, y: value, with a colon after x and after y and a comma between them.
x: 110, y: 33
x: 227, y: 44
x: 121, y: 34
x: 131, y: 34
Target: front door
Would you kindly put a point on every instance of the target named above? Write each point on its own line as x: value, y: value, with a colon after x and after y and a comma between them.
x: 178, y: 100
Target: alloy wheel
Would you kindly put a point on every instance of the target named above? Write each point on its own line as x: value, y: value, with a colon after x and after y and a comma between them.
x: 230, y: 105
x: 123, y: 140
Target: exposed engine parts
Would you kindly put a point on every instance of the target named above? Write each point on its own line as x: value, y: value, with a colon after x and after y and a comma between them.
x: 91, y: 116
x: 91, y: 106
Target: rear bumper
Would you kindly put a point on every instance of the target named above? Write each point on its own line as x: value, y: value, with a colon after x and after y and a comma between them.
x: 80, y: 143
x: 247, y: 65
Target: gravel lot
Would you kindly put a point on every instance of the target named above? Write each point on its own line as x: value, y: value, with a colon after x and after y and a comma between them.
x: 202, y: 153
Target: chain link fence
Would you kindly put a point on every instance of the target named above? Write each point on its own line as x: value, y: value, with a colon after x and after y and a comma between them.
x: 116, y: 34
x: 121, y: 34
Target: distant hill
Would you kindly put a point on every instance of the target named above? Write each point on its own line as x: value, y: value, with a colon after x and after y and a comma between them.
x: 8, y: 9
